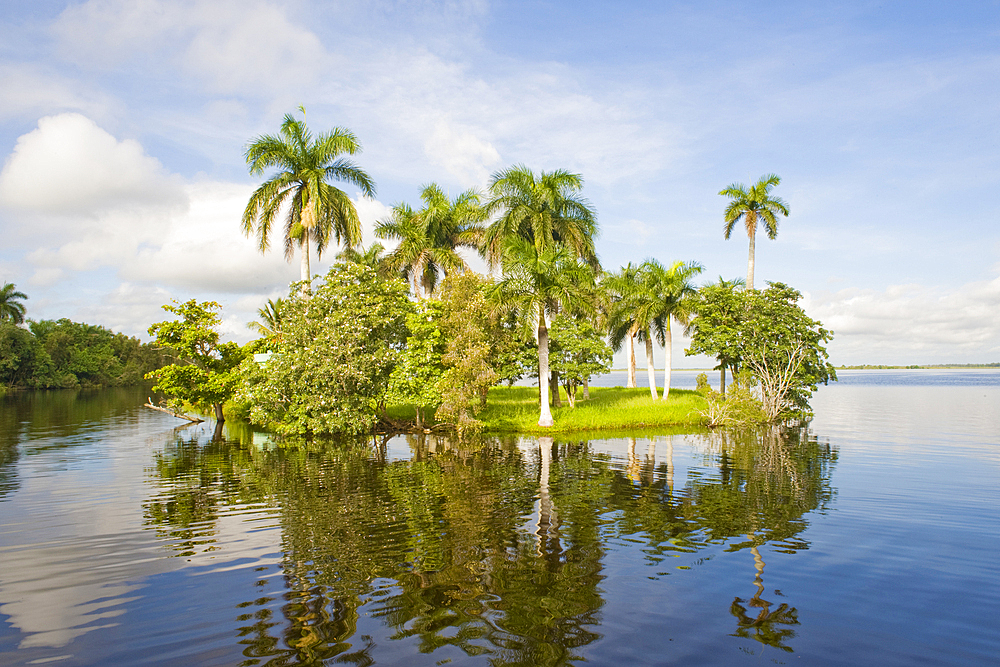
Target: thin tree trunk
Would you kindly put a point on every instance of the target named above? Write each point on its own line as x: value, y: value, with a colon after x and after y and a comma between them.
x: 545, y: 415
x: 649, y: 365
x: 722, y: 383
x: 586, y: 389
x: 667, y: 360
x: 554, y: 384
x: 630, y: 354
x: 750, y: 260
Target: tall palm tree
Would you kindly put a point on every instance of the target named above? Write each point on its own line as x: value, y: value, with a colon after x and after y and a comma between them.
x: 546, y: 209
x: 429, y: 239
x: 539, y: 282
x: 317, y: 212
x: 649, y: 296
x: 754, y: 205
x: 676, y: 294
x: 11, y: 307
x: 620, y: 320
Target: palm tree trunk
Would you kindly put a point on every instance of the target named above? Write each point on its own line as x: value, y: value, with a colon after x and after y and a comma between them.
x: 630, y: 353
x: 306, y: 274
x: 649, y: 365
x: 667, y: 350
x: 722, y: 383
x: 545, y: 415
x: 750, y: 261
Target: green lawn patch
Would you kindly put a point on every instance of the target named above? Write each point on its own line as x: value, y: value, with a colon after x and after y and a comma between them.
x: 515, y: 410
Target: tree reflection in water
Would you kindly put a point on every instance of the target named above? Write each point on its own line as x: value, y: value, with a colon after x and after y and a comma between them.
x: 493, y: 547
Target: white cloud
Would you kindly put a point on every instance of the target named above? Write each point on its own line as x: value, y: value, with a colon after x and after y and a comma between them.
x: 250, y: 47
x: 908, y: 324
x: 69, y: 165
x: 466, y: 157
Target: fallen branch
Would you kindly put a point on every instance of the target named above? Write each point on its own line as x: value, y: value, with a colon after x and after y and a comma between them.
x: 173, y: 413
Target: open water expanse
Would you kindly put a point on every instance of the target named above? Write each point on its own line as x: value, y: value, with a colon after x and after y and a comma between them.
x: 872, y: 537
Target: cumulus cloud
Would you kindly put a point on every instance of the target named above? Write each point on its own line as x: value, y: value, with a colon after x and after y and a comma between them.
x: 912, y: 323
x: 68, y: 165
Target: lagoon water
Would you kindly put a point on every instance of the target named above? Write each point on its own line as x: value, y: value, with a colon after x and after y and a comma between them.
x: 872, y: 537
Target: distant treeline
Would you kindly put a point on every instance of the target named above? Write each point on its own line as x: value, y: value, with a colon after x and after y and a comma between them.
x: 62, y: 353
x: 928, y: 366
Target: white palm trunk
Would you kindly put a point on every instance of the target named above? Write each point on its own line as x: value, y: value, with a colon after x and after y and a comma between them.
x: 305, y: 269
x: 750, y: 260
x: 545, y: 415
x: 667, y: 350
x: 649, y: 366
x: 630, y: 354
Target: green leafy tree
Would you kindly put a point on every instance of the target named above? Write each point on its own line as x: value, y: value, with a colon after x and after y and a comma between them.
x: 23, y: 359
x: 767, y: 335
x: 330, y: 370
x: 317, y: 212
x: 538, y: 283
x: 578, y: 353
x: 754, y: 206
x: 11, y: 308
x: 719, y: 307
x: 420, y: 368
x: 429, y: 239
x: 481, y: 349
x: 204, y: 373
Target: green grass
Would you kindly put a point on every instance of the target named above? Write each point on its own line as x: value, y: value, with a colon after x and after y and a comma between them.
x: 515, y: 410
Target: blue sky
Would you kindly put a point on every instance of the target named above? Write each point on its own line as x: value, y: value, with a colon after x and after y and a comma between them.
x: 122, y: 127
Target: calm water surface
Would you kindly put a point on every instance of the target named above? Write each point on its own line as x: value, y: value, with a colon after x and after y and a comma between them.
x: 873, y: 537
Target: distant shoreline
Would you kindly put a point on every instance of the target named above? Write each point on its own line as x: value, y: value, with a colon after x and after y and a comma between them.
x: 881, y: 367
x: 863, y: 367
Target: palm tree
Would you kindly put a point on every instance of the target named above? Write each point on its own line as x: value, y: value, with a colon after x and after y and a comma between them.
x: 429, y: 239
x: 752, y: 206
x: 373, y: 257
x: 316, y: 210
x: 543, y: 210
x: 648, y: 296
x: 621, y: 325
x: 270, y: 318
x: 676, y: 295
x: 11, y: 307
x: 537, y: 283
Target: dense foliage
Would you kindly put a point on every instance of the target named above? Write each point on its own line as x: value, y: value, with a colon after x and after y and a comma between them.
x: 766, y: 335
x: 61, y: 353
x: 331, y: 366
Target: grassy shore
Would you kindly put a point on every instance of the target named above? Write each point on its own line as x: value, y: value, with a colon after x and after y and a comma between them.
x: 515, y: 410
